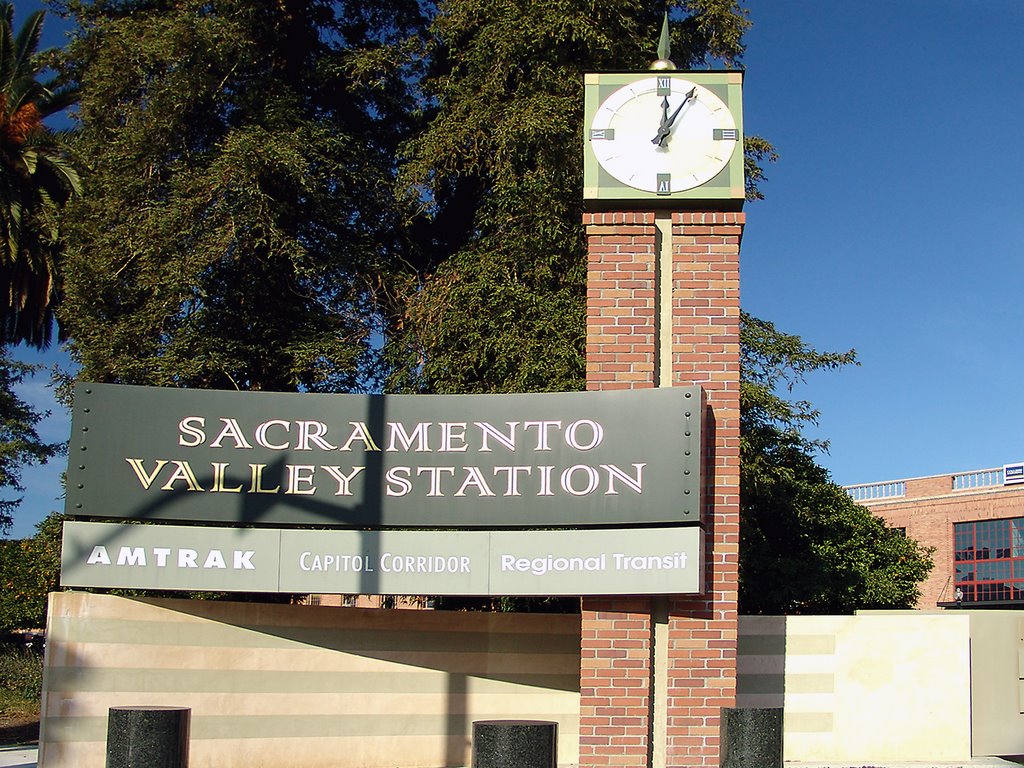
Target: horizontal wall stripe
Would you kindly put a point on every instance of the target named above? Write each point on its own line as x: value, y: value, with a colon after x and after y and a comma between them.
x: 761, y: 684
x: 760, y: 645
x: 762, y: 625
x: 757, y: 700
x: 97, y: 703
x: 69, y: 729
x: 788, y: 683
x: 798, y: 683
x: 763, y: 665
x: 259, y: 681
x: 791, y: 645
x: 131, y: 656
x: 808, y: 722
x: 270, y: 616
x: 367, y: 641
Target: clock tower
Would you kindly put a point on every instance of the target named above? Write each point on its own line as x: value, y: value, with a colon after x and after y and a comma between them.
x: 663, y: 160
x: 674, y: 138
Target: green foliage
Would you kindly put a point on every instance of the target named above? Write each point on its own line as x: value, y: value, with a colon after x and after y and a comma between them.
x: 36, y: 179
x: 497, y: 299
x: 241, y: 229
x: 806, y: 547
x: 772, y: 362
x: 239, y: 212
x: 29, y: 571
x: 21, y: 679
x: 20, y: 443
x: 508, y: 604
x: 275, y: 188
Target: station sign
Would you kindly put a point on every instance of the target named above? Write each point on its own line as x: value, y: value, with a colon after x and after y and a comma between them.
x: 203, y: 558
x: 575, y: 459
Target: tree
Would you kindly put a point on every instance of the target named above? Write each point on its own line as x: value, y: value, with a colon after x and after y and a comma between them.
x: 496, y: 302
x: 29, y: 571
x: 805, y: 545
x: 239, y: 162
x: 35, y: 180
x: 20, y: 443
x: 241, y: 228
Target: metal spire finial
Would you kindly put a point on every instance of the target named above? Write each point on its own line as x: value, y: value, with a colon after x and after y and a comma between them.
x: 664, y: 48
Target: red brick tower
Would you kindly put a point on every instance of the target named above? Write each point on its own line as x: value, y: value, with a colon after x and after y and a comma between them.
x: 663, y: 179
x: 656, y: 671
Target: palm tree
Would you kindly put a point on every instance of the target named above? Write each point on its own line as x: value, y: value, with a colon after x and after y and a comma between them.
x: 35, y: 180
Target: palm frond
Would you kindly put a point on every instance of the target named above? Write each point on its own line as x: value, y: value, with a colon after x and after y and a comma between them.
x: 36, y: 178
x: 27, y: 41
x: 7, y: 63
x: 53, y: 101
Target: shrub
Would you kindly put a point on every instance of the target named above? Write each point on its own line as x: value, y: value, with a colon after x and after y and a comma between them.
x: 21, y: 673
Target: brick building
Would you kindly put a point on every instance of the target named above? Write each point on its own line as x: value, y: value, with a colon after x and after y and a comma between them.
x: 975, y: 522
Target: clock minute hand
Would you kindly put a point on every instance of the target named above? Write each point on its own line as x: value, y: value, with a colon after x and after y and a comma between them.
x: 691, y: 96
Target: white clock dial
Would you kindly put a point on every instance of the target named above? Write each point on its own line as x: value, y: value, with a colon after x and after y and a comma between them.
x: 663, y: 135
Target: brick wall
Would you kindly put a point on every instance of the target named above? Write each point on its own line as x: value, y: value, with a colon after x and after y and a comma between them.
x: 617, y: 715
x: 928, y: 513
x: 922, y: 487
x: 620, y: 300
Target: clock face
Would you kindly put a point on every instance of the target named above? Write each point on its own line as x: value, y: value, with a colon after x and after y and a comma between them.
x: 663, y: 134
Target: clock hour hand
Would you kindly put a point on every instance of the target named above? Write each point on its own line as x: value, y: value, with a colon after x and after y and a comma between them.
x: 664, y: 112
x: 666, y: 122
x: 663, y: 125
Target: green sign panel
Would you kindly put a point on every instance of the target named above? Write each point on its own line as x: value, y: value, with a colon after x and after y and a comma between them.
x: 464, y: 461
x: 585, y: 562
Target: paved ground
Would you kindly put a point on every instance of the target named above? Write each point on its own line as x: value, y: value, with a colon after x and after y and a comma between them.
x: 26, y: 757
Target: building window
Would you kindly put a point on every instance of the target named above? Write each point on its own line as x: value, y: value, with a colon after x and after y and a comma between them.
x: 990, y: 560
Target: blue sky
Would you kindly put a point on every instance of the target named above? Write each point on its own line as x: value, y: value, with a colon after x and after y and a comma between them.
x: 892, y: 224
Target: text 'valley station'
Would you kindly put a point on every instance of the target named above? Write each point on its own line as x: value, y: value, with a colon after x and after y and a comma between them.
x: 429, y: 481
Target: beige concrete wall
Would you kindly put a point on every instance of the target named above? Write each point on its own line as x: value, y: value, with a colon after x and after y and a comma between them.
x: 317, y: 687
x: 861, y: 689
x: 997, y: 643
x: 303, y: 686
x: 997, y: 678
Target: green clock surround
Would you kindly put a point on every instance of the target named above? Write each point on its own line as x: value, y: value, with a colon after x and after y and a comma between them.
x: 664, y: 137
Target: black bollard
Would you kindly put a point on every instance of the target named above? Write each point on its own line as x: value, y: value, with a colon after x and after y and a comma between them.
x: 148, y: 737
x: 752, y: 737
x: 515, y: 744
